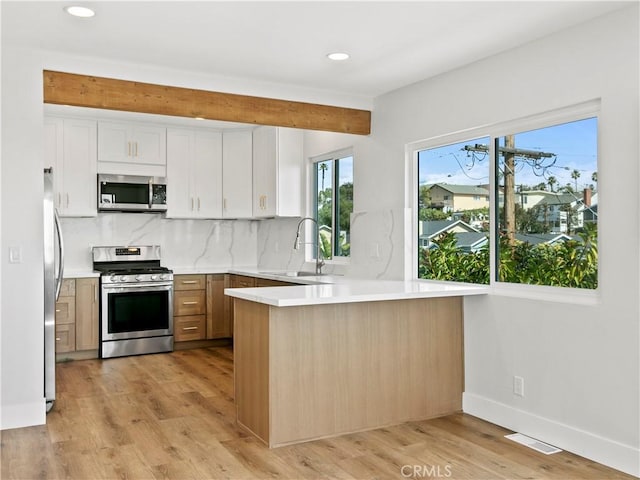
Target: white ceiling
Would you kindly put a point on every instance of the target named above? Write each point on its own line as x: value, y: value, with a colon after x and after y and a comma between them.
x: 392, y: 44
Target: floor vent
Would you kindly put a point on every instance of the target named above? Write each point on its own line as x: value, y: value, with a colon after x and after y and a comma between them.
x: 533, y: 443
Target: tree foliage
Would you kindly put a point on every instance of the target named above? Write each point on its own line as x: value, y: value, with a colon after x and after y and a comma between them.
x: 573, y: 263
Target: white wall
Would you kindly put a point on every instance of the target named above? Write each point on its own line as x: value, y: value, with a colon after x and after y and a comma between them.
x: 580, y: 363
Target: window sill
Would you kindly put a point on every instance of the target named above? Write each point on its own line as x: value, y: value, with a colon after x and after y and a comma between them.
x: 576, y: 296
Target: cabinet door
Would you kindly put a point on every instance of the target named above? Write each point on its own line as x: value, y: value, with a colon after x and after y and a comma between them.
x: 79, y: 169
x: 114, y: 143
x: 87, y: 302
x: 132, y: 149
x: 207, y: 174
x: 218, y: 323
x: 180, y: 201
x: 237, y: 174
x: 53, y: 153
x: 149, y: 144
x: 264, y: 171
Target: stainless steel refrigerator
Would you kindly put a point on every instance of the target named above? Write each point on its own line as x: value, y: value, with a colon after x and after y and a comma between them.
x: 53, y: 270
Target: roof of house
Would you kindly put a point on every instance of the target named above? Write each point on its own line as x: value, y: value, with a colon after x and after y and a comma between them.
x: 471, y: 239
x: 560, y: 199
x: 461, y: 189
x: 538, y: 238
x: 431, y: 228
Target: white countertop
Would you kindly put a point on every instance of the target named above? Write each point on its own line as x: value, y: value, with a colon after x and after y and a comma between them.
x: 350, y: 290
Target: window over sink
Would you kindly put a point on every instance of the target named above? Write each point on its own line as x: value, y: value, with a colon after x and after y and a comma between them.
x: 333, y: 203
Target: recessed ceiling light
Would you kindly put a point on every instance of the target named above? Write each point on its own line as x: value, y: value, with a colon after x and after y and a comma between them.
x: 338, y: 56
x: 78, y: 11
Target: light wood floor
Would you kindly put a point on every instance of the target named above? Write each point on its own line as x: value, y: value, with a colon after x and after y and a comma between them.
x: 171, y: 416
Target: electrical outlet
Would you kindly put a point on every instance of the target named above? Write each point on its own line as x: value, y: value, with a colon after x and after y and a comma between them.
x: 518, y: 386
x: 15, y: 254
x: 374, y: 250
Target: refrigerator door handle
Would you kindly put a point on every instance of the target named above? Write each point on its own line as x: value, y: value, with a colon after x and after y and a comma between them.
x: 60, y: 253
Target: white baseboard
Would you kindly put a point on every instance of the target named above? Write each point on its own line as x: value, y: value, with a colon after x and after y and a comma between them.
x: 23, y: 415
x: 599, y: 449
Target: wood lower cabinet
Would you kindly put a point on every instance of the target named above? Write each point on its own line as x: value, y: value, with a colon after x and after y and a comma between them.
x: 237, y: 281
x: 87, y: 313
x: 218, y: 321
x: 66, y: 317
x: 189, y: 307
x: 77, y: 319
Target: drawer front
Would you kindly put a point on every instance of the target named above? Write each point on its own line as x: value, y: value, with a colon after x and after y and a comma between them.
x: 189, y: 302
x: 240, y: 281
x: 191, y: 327
x: 66, y: 310
x: 189, y: 282
x: 68, y: 288
x: 65, y: 338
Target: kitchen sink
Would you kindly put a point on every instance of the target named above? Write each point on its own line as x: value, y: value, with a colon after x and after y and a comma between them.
x: 296, y: 274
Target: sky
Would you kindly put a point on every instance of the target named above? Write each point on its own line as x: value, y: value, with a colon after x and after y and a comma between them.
x: 574, y: 145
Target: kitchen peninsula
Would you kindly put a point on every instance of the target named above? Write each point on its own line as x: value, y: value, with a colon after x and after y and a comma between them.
x: 314, y: 361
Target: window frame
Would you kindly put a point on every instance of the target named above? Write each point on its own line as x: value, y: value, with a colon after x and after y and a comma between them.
x: 582, y: 111
x: 310, y: 251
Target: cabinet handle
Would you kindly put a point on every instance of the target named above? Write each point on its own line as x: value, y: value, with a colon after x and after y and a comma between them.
x: 192, y: 204
x: 189, y: 328
x: 189, y: 303
x: 136, y: 149
x: 95, y: 293
x: 67, y: 195
x: 198, y: 203
x: 58, y: 339
x: 224, y: 203
x: 128, y: 149
x: 57, y: 311
x: 188, y: 282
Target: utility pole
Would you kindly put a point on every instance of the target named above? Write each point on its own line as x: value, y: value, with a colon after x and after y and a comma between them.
x: 510, y: 152
x: 510, y: 189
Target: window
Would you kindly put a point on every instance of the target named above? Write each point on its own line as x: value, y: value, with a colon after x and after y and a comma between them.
x: 541, y: 229
x: 333, y: 180
x: 553, y: 241
x: 454, y: 245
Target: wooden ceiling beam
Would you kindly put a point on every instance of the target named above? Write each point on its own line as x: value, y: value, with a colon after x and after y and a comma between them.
x: 112, y: 94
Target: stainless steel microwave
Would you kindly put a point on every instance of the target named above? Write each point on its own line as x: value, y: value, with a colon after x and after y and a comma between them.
x: 132, y: 193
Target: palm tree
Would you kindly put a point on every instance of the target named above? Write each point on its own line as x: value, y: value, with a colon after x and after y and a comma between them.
x: 575, y: 175
x: 323, y: 169
x: 552, y: 181
x: 594, y: 177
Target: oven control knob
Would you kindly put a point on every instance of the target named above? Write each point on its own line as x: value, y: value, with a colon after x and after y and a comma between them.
x: 154, y: 278
x: 114, y: 278
x: 164, y: 276
x: 139, y: 278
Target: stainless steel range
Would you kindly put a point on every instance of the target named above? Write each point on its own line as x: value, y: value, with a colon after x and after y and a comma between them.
x: 136, y: 301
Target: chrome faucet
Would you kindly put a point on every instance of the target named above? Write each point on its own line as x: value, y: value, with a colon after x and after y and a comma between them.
x: 296, y: 244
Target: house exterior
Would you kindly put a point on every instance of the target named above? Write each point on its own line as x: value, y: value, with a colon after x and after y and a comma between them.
x: 468, y: 238
x: 454, y: 198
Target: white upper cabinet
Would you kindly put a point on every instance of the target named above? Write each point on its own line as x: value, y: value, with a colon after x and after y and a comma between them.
x: 70, y: 148
x: 194, y: 173
x: 132, y: 148
x: 277, y: 172
x: 237, y: 167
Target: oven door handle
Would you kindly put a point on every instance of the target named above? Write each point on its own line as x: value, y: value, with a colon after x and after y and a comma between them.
x: 132, y: 286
